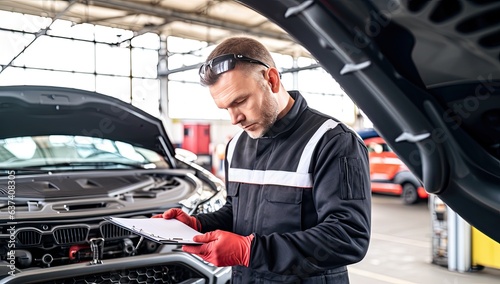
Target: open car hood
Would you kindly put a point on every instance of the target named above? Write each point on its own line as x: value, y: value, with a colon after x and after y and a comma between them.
x: 41, y: 110
x: 426, y: 73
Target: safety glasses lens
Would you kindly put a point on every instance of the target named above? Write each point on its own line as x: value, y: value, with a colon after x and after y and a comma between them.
x: 226, y: 62
x: 221, y: 65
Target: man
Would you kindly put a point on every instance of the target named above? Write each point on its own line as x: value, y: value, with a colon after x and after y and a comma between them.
x: 298, y: 205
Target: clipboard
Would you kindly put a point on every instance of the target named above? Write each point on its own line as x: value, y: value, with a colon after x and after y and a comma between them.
x: 163, y: 231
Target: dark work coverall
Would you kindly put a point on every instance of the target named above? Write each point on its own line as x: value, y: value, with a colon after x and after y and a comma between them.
x: 303, y: 190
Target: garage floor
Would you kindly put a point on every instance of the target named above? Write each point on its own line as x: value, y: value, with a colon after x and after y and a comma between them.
x: 400, y: 250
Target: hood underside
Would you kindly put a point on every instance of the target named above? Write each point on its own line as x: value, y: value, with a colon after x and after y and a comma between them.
x: 41, y: 110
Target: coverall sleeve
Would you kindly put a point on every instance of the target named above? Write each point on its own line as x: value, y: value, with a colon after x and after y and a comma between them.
x: 222, y: 219
x: 342, y: 199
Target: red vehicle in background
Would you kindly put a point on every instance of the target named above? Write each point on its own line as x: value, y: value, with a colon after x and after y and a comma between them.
x: 388, y: 174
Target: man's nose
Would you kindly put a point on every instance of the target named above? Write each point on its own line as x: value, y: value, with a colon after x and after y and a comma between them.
x: 236, y: 116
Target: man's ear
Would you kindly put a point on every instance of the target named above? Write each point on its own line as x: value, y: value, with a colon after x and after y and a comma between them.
x: 273, y: 77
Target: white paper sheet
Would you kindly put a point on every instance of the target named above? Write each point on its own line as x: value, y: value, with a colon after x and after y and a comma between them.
x: 160, y: 230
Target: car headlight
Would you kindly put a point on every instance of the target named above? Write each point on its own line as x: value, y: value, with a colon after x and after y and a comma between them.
x: 210, y: 194
x: 206, y: 202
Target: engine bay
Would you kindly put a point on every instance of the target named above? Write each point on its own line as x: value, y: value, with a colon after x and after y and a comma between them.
x: 59, y: 217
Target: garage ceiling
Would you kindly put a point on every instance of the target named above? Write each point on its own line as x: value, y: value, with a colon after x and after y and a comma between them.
x: 205, y: 20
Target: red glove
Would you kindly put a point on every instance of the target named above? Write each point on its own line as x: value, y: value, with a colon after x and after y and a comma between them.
x: 176, y: 213
x: 222, y: 248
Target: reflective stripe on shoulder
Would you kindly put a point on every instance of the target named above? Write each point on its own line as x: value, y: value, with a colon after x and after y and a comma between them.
x: 231, y: 146
x: 299, y: 178
x: 305, y: 159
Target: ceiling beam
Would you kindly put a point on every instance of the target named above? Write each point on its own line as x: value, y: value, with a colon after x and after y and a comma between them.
x: 158, y: 11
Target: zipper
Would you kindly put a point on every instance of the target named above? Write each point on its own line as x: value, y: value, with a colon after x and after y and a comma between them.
x: 347, y: 177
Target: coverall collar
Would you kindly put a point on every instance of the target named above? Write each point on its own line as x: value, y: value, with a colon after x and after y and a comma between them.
x: 288, y: 121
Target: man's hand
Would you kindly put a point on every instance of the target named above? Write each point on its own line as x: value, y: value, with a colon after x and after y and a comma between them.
x: 222, y: 248
x: 176, y: 213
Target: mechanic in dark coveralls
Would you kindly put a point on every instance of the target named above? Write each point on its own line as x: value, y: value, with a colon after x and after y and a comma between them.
x: 299, y: 206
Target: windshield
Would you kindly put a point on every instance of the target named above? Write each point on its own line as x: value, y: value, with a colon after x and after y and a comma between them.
x: 62, y: 152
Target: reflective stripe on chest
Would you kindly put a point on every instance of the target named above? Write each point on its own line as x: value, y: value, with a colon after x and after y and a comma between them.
x: 300, y: 178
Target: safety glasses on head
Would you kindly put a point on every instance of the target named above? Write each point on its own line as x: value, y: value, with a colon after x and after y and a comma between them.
x: 226, y: 62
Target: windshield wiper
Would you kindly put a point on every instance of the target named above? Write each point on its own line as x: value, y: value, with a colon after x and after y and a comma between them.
x: 24, y: 170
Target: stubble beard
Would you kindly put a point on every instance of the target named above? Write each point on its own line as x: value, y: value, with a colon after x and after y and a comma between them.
x: 269, y: 117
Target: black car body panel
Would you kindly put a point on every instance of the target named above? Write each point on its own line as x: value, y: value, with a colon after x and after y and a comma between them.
x: 427, y: 74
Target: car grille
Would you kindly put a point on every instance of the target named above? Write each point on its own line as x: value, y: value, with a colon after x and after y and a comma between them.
x: 29, y: 237
x: 151, y: 274
x: 71, y: 235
